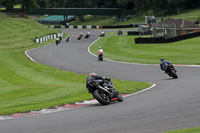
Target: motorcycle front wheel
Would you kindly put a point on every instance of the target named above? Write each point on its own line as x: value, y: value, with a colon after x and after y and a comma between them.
x: 120, y: 98
x: 102, y: 97
x: 174, y: 75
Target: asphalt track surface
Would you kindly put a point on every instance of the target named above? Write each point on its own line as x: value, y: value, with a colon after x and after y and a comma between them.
x: 172, y: 104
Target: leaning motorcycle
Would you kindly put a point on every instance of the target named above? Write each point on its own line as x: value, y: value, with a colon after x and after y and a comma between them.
x: 87, y: 36
x: 105, y: 92
x: 67, y: 40
x: 79, y: 37
x: 171, y: 71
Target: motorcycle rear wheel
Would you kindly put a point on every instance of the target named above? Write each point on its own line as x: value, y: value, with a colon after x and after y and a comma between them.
x: 101, y: 97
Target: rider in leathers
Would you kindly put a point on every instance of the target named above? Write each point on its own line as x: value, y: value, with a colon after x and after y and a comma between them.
x: 164, y: 63
x: 92, y: 81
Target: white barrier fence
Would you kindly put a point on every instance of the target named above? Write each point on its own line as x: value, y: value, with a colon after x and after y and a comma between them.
x: 48, y: 37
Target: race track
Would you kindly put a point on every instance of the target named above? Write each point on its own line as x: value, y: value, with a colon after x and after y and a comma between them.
x: 172, y: 104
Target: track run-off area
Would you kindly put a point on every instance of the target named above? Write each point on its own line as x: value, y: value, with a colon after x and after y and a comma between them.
x: 171, y: 104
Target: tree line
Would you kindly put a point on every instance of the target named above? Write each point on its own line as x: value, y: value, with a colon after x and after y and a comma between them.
x: 158, y: 7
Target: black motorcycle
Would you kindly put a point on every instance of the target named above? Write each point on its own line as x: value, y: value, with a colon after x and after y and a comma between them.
x: 171, y: 71
x: 100, y: 57
x: 58, y: 40
x: 105, y: 92
x: 87, y: 36
x: 67, y: 40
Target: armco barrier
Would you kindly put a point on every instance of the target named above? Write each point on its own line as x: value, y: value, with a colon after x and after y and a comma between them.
x: 118, y: 26
x: 137, y: 33
x: 165, y: 40
x: 48, y: 37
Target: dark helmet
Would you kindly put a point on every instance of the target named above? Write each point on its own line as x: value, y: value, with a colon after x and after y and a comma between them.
x: 162, y: 59
x: 92, y: 73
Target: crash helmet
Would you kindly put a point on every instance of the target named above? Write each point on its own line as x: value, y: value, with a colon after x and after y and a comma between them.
x: 99, y: 47
x: 92, y: 73
x: 162, y: 59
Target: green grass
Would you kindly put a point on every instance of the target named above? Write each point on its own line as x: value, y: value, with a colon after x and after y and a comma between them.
x: 25, y: 85
x: 188, y: 130
x: 123, y: 48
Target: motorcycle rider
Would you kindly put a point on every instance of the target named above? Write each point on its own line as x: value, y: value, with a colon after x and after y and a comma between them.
x: 57, y: 41
x: 67, y: 38
x: 100, y: 51
x: 93, y: 81
x: 163, y: 65
x: 87, y: 35
x: 81, y: 34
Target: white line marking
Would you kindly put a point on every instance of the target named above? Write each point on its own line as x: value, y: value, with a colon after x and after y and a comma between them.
x: 29, y: 56
x: 33, y: 49
x: 154, y: 85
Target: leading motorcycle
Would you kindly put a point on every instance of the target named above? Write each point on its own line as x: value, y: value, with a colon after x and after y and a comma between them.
x: 105, y: 92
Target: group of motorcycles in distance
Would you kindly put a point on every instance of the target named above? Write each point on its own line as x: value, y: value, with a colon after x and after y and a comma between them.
x: 59, y: 39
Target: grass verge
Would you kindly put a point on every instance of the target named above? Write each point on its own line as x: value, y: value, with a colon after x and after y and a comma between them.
x: 123, y: 48
x: 188, y: 130
x: 25, y: 85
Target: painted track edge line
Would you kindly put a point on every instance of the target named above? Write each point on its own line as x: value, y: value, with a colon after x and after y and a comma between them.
x: 33, y: 49
x: 41, y: 112
x: 154, y: 85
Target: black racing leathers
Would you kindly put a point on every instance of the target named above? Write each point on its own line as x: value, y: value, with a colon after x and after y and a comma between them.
x: 93, y: 82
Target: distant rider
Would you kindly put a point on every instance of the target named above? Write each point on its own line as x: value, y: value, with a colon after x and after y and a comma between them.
x: 68, y: 37
x: 57, y: 41
x: 100, y: 51
x: 87, y: 35
x: 81, y: 34
x: 103, y: 33
x: 164, y: 63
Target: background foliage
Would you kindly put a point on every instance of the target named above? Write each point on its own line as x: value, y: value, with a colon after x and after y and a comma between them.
x: 159, y: 7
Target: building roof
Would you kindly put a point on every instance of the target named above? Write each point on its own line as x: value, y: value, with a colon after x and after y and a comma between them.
x: 176, y: 23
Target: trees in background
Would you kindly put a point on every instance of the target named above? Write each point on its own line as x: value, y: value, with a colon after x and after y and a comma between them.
x: 26, y: 4
x: 8, y: 4
x: 159, y: 7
